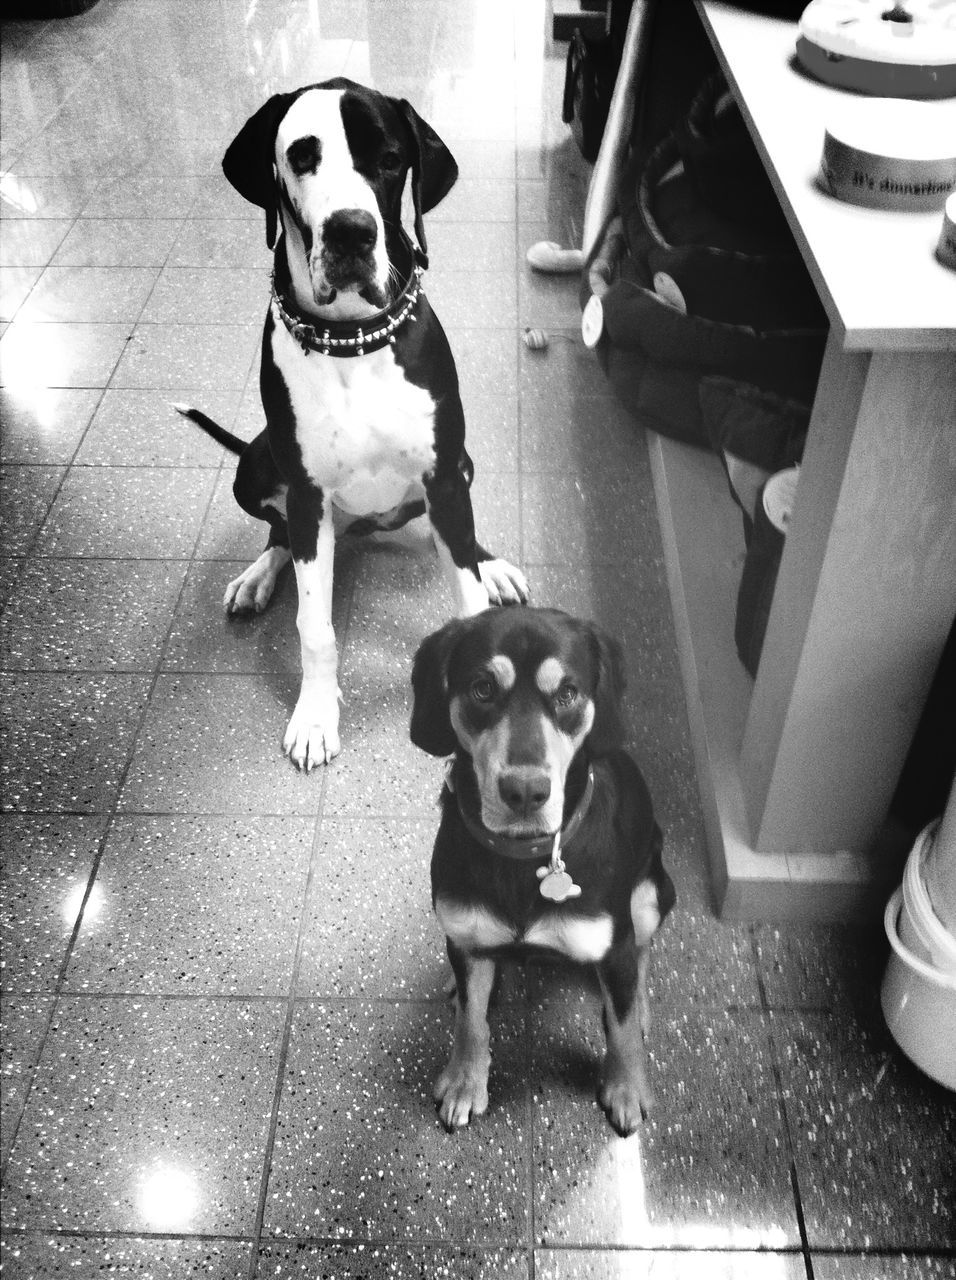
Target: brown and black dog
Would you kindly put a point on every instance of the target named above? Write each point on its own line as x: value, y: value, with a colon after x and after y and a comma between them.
x: 547, y: 837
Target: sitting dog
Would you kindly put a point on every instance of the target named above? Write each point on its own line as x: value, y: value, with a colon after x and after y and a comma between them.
x: 363, y: 417
x: 547, y: 836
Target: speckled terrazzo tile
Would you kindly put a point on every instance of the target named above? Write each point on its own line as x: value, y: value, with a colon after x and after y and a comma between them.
x: 491, y: 430
x: 147, y: 1115
x: 482, y: 246
x: 44, y: 424
x: 9, y: 575
x: 569, y: 372
x: 152, y: 193
x: 140, y: 428
x: 90, y: 294
x: 591, y: 518
x: 31, y: 242
x: 873, y: 1138
x: 48, y: 196
x: 579, y: 432
x: 34, y: 1256
x: 25, y: 497
x: 191, y: 905
x: 379, y: 772
x: 359, y: 1149
x: 213, y: 744
x: 221, y: 242
x: 708, y: 1169
x: 390, y: 1262
x: 495, y: 500
x: 61, y: 355
x: 374, y: 874
x: 589, y: 1264
x: 99, y: 615
x: 127, y: 511
x: 827, y: 967
x: 117, y: 242
x: 875, y: 1266
x: 229, y: 533
x: 199, y: 356
x: 205, y: 638
x: 487, y: 360
x: 548, y: 300
x: 22, y: 1026
x: 470, y: 299
x: 478, y: 199
x: 65, y: 739
x: 199, y: 295
x: 45, y: 872
x: 15, y: 286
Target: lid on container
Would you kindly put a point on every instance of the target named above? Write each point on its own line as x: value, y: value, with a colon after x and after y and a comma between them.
x: 592, y: 321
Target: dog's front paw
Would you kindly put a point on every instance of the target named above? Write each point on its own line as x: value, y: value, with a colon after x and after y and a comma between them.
x: 461, y: 1092
x: 312, y: 737
x: 504, y: 583
x: 627, y: 1100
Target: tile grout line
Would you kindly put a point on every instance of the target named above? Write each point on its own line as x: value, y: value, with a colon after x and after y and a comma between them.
x: 782, y: 1111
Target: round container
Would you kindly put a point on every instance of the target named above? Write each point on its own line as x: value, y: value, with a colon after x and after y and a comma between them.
x: 919, y: 1005
x: 921, y: 930
x: 946, y: 249
x: 885, y: 153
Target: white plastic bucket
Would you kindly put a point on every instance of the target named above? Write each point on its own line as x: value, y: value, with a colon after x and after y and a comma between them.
x: 919, y: 1004
x: 920, y: 929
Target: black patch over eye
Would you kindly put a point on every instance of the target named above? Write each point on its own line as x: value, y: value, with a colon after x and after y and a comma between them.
x: 391, y: 160
x: 304, y: 155
x: 483, y: 689
x: 566, y: 695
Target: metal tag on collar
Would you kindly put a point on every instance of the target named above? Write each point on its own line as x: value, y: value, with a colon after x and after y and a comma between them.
x: 556, y: 884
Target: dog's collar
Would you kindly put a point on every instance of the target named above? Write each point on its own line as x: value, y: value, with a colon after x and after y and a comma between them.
x: 352, y: 337
x: 527, y: 848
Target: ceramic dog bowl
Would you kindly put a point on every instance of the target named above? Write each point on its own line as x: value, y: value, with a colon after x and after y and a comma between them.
x: 919, y: 1004
x: 920, y: 929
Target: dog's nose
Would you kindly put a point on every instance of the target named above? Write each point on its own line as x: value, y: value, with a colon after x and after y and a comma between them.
x: 350, y: 231
x: 524, y: 790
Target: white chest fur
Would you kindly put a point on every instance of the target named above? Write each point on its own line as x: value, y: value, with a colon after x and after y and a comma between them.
x: 582, y: 938
x: 366, y: 433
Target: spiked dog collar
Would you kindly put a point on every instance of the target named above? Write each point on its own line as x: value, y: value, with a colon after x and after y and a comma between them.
x: 527, y: 848
x: 351, y: 337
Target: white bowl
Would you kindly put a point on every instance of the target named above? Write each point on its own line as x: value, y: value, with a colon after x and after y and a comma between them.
x: 920, y: 928
x: 919, y: 1004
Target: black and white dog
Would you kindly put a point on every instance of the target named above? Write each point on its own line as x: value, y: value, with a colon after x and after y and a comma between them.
x: 359, y: 387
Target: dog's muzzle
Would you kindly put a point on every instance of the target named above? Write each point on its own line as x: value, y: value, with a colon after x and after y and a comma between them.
x: 347, y: 254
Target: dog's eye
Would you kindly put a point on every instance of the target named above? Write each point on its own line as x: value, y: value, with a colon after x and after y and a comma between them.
x: 304, y: 155
x: 565, y: 695
x: 483, y: 689
x: 391, y: 161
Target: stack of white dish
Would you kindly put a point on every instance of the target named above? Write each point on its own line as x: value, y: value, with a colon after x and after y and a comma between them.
x: 919, y: 988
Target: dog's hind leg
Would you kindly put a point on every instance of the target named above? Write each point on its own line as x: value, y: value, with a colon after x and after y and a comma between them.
x: 461, y: 1091
x: 260, y: 491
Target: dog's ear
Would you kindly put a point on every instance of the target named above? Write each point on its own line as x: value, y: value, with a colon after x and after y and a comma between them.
x: 607, y: 732
x: 434, y: 171
x: 250, y: 157
x: 431, y: 729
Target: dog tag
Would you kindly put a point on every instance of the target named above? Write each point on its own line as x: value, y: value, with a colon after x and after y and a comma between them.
x: 557, y: 885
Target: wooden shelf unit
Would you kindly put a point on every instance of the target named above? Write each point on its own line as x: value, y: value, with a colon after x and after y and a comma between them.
x: 797, y: 768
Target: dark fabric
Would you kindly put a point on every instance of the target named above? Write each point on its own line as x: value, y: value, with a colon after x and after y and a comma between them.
x: 588, y: 85
x: 752, y: 313
x: 756, y: 589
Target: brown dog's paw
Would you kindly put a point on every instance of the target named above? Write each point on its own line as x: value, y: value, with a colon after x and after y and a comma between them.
x: 460, y: 1094
x: 626, y: 1102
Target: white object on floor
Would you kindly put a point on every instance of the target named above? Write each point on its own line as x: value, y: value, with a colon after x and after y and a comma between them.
x: 919, y: 1004
x: 946, y: 249
x: 592, y: 321
x: 549, y: 257
x: 920, y: 928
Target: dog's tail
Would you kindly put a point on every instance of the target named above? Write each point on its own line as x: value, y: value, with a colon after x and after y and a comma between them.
x: 218, y: 433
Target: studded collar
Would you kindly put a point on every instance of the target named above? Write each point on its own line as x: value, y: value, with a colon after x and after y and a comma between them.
x: 345, y: 338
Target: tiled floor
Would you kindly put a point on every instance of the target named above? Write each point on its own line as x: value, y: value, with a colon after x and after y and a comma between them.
x: 222, y: 985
